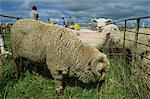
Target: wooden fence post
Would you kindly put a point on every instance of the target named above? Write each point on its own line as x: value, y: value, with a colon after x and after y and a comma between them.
x: 135, y: 41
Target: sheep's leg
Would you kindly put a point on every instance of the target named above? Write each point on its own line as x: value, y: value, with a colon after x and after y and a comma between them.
x: 18, y: 67
x: 58, y: 80
x: 33, y: 69
x: 16, y: 70
x: 58, y: 74
x: 59, y: 86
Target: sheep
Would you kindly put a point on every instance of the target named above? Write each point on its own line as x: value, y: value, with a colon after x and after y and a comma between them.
x: 97, y: 39
x: 59, y: 49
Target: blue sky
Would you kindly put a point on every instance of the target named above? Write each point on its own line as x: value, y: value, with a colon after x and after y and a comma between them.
x: 81, y: 10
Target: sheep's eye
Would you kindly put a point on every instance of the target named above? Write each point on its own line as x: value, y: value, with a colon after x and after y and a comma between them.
x: 94, y: 21
x: 115, y: 29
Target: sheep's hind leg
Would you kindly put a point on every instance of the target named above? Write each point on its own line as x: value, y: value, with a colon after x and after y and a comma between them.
x: 18, y: 67
x: 33, y: 69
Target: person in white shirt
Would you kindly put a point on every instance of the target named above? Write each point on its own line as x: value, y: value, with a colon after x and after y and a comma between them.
x: 34, y: 14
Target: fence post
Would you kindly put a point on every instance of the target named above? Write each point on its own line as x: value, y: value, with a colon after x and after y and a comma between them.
x: 124, y: 38
x: 135, y: 41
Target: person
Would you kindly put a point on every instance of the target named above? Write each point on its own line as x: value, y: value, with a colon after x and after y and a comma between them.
x: 62, y: 21
x: 49, y: 21
x: 34, y: 14
x: 70, y: 22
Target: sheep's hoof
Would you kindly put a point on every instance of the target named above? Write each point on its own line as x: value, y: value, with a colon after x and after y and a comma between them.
x: 60, y: 90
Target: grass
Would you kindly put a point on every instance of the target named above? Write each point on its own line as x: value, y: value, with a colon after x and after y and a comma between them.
x: 119, y: 84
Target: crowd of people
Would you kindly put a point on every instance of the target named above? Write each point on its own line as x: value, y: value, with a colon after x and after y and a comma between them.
x: 69, y: 23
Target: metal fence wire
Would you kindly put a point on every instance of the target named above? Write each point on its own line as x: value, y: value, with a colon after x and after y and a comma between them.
x: 136, y: 37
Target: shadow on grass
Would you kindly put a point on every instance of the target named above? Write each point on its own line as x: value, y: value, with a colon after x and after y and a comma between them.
x: 73, y: 81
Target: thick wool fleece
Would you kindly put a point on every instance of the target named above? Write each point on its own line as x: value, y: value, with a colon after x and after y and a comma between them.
x: 60, y: 48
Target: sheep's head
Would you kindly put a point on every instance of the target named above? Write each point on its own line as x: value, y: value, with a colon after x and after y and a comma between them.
x: 96, y: 69
x: 102, y: 22
x: 113, y: 33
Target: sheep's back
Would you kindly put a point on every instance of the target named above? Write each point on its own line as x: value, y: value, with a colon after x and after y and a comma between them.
x: 36, y: 41
x: 28, y: 39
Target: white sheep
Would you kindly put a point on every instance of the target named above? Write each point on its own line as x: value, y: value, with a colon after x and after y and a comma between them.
x: 98, y: 39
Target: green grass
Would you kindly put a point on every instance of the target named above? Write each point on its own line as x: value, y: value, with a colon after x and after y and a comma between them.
x: 118, y: 85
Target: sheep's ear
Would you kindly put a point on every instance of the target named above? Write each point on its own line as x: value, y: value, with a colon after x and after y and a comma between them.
x: 94, y: 20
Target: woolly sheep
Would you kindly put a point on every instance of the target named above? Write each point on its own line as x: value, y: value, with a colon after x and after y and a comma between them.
x: 98, y: 39
x: 59, y: 49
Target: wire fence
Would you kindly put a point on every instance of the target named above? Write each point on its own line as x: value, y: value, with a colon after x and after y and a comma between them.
x: 5, y: 28
x: 137, y: 35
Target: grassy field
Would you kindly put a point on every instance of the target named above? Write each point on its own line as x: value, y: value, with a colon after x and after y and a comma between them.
x: 119, y: 84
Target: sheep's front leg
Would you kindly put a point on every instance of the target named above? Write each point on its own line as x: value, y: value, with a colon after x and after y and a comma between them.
x: 59, y: 86
x: 18, y: 67
x: 58, y: 75
x: 58, y: 80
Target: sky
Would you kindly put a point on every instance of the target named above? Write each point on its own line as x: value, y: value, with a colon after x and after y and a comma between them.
x: 81, y: 10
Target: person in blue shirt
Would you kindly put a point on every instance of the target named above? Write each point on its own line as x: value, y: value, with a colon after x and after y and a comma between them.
x: 62, y: 21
